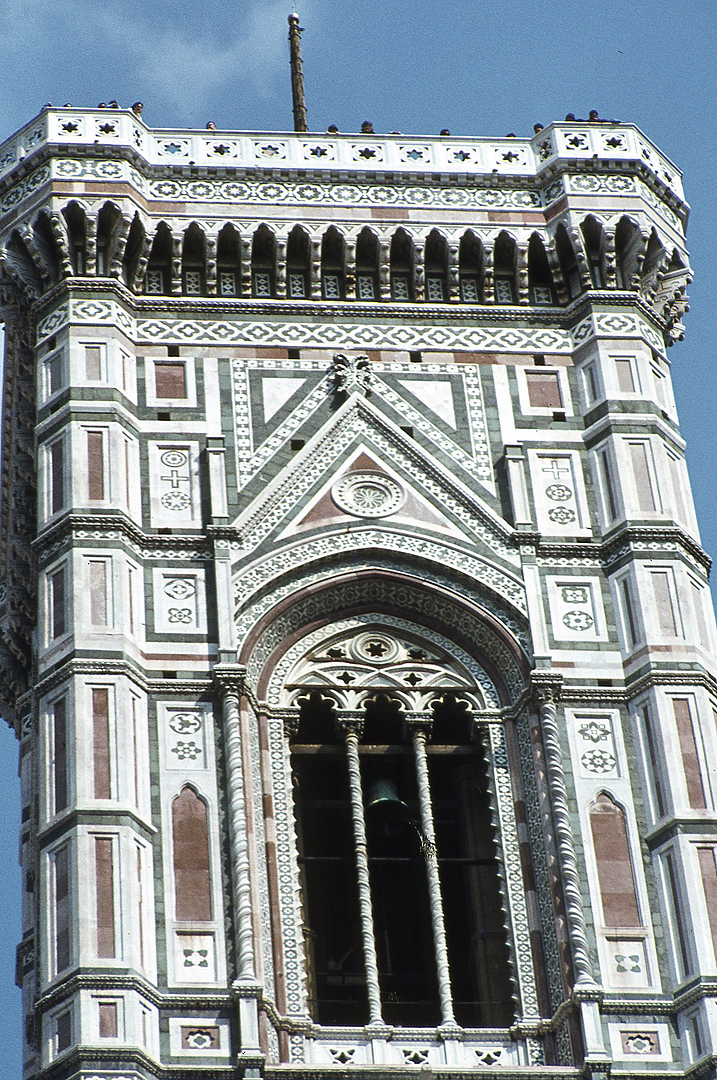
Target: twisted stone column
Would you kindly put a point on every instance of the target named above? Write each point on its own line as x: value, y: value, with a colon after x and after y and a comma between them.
x: 364, y: 886
x: 546, y: 694
x: 428, y: 845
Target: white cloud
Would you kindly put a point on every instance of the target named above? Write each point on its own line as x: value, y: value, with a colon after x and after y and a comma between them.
x: 181, y: 57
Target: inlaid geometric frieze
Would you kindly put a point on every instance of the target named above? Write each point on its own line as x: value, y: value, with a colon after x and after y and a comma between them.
x: 559, y: 492
x: 631, y: 1042
x: 174, y: 485
x: 194, y: 959
x: 184, y: 735
x: 595, y: 741
x: 448, y: 410
x: 179, y: 601
x: 576, y: 609
x: 348, y: 335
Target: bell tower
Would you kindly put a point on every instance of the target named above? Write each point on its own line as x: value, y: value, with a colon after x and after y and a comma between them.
x: 354, y: 623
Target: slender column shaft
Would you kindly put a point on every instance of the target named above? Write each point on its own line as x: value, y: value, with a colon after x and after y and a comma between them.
x: 434, y: 883
x: 241, y: 886
x: 361, y: 851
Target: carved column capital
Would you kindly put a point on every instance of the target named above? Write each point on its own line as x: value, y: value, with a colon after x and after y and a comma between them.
x: 230, y: 679
x: 545, y: 687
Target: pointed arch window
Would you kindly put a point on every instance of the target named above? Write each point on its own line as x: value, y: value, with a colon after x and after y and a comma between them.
x: 228, y: 261
x: 436, y: 268
x: 540, y: 276
x: 470, y: 268
x: 194, y: 263
x: 76, y: 221
x: 333, y: 263
x: 263, y: 263
x: 403, y: 261
x: 395, y: 819
x: 109, y: 222
x: 190, y: 842
x: 159, y: 266
x: 505, y: 258
x: 298, y: 264
x: 367, y: 260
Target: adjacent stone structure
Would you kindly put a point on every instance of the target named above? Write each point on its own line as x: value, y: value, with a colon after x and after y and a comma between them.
x: 354, y: 622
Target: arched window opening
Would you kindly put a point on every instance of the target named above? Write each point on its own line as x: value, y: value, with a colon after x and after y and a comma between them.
x: 333, y: 263
x: 540, y: 277
x: 470, y: 268
x: 397, y: 852
x: 629, y: 251
x: 367, y: 260
x: 594, y: 241
x: 614, y: 865
x: 190, y: 840
x: 504, y: 269
x: 436, y: 268
x: 158, y: 275
x: 229, y: 261
x: 109, y: 221
x: 568, y: 262
x: 194, y: 262
x: 402, y: 266
x: 76, y: 221
x: 133, y: 250
x: 263, y: 263
x: 298, y: 264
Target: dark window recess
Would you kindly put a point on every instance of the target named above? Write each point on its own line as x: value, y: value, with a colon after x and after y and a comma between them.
x: 473, y: 914
x: 415, y: 357
x: 408, y: 431
x: 294, y: 354
x: 297, y: 444
x: 173, y: 350
x: 164, y: 416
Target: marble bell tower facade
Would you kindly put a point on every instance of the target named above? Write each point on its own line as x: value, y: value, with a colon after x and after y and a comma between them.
x: 354, y: 623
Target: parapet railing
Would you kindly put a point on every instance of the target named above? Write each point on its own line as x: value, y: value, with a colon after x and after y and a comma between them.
x: 598, y: 143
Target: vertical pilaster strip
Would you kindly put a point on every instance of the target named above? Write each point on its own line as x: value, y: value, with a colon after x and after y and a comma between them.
x: 230, y: 682
x: 434, y: 883
x: 361, y: 852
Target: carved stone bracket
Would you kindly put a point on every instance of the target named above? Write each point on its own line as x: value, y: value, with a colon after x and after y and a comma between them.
x: 349, y: 374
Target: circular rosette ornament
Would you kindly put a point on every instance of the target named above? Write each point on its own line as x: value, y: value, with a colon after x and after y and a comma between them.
x: 368, y: 494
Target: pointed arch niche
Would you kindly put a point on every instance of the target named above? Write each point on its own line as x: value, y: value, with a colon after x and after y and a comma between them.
x: 400, y: 809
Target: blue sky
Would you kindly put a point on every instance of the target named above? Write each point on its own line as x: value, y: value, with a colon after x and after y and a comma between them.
x: 413, y: 66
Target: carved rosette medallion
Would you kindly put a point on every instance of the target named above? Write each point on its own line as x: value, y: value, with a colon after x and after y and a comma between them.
x: 368, y: 494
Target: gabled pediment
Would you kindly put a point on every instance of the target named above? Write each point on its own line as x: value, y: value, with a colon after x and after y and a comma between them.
x: 359, y: 457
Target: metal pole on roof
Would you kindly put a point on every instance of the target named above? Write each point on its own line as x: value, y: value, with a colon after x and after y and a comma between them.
x: 297, y: 74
